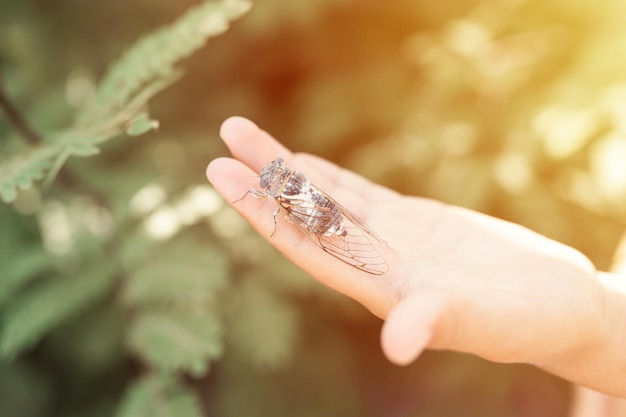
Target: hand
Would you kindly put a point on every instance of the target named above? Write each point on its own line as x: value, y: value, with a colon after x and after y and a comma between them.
x: 457, y: 279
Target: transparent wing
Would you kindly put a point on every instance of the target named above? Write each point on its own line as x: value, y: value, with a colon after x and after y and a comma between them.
x: 357, y: 247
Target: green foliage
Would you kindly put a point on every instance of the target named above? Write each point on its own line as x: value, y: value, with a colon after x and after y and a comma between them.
x: 22, y: 170
x: 264, y: 327
x: 49, y: 299
x: 182, y: 276
x: 28, y: 263
x: 173, y: 341
x: 149, y: 66
x: 140, y: 125
x: 37, y: 311
x: 119, y: 103
x: 176, y: 326
x: 159, y: 396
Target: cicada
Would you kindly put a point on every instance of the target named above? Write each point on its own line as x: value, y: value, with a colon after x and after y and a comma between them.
x: 331, y: 226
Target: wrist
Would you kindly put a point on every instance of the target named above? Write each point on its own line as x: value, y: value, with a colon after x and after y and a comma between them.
x: 600, y: 363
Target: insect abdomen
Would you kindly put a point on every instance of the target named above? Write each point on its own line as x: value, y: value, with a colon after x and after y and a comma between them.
x: 330, y: 222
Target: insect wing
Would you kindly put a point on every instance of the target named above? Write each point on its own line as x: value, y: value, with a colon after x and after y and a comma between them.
x: 356, y: 247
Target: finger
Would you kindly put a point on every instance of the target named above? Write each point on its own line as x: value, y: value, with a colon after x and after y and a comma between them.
x: 256, y: 148
x: 357, y: 194
x: 348, y: 180
x: 448, y: 321
x: 251, y: 145
x: 408, y: 328
x: 426, y: 318
x: 232, y: 178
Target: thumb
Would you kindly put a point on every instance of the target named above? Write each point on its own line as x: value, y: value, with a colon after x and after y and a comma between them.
x: 425, y: 318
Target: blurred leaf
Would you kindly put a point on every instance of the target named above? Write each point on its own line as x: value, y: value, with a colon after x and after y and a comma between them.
x: 25, y: 390
x: 31, y: 315
x: 92, y: 343
x: 149, y: 66
x: 145, y: 70
x: 171, y: 341
x: 140, y: 125
x: 264, y: 327
x: 22, y: 265
x: 182, y: 275
x: 159, y: 396
x: 22, y: 170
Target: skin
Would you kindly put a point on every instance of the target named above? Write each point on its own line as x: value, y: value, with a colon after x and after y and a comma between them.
x: 457, y: 280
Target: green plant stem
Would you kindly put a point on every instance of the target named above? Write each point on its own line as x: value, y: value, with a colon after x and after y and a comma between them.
x: 67, y: 178
x: 16, y: 119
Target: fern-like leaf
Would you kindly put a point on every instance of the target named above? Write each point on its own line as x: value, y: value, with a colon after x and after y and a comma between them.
x: 154, y: 57
x: 30, y: 316
x: 159, y: 396
x: 173, y: 293
x: 143, y: 71
x: 182, y: 275
x: 172, y: 341
x: 141, y: 124
x: 21, y: 171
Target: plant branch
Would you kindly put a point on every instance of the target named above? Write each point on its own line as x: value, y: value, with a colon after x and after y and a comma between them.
x: 16, y: 119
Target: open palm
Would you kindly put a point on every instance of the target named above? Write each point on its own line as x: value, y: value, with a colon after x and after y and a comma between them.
x: 457, y: 279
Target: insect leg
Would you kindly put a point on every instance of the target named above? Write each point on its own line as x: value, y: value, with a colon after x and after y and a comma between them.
x: 275, y: 214
x: 254, y: 193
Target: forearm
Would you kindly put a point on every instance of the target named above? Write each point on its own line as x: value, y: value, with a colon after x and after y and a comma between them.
x: 601, y: 365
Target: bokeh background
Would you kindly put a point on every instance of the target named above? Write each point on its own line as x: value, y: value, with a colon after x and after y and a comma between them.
x: 129, y: 288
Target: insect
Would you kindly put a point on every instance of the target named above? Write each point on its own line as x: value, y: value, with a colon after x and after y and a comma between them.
x: 331, y: 226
